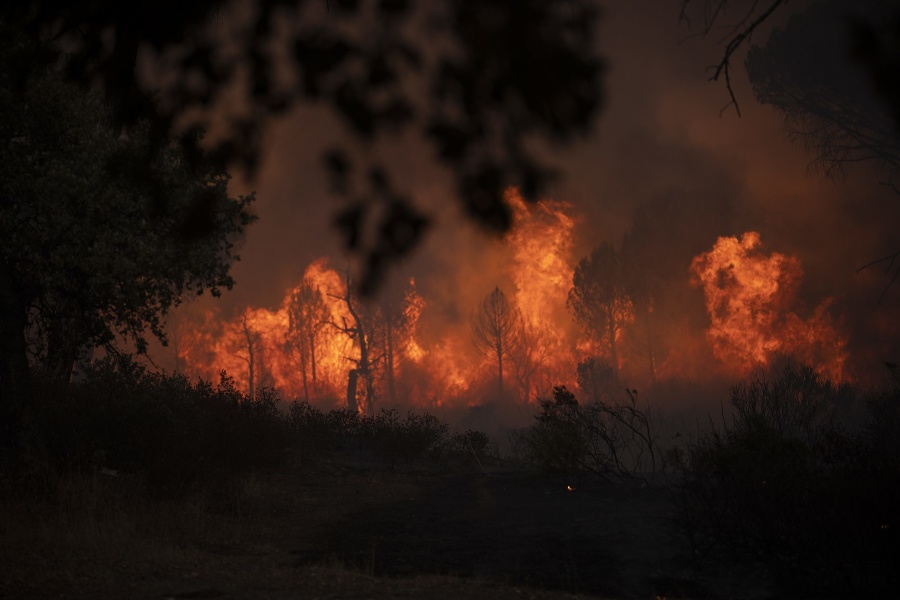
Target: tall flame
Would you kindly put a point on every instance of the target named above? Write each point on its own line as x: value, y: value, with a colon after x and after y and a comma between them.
x: 414, y: 357
x: 541, y: 268
x: 750, y: 297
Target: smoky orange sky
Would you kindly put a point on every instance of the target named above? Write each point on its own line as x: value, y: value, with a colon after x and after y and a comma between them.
x: 663, y: 136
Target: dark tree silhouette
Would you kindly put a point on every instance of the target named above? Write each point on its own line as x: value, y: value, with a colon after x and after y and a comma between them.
x: 598, y: 298
x: 87, y: 255
x: 832, y: 71
x: 496, y: 330
x: 528, y: 359
x: 474, y: 79
x: 391, y: 326
x: 875, y: 36
x: 360, y: 331
x: 253, y: 344
x: 807, y: 72
x: 735, y: 21
x: 307, y: 314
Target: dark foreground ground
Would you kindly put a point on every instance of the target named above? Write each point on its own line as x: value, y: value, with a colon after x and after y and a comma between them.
x: 339, y: 530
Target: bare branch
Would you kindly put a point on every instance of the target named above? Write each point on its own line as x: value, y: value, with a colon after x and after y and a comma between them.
x: 738, y: 34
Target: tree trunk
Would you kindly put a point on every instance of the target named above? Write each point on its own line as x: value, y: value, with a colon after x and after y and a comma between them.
x: 62, y: 350
x: 389, y: 361
x: 15, y: 378
x: 303, y: 360
x: 351, y: 391
x: 363, y: 367
x: 251, y: 360
x: 500, y: 371
x: 312, y: 357
x: 650, y: 356
x: 613, y: 354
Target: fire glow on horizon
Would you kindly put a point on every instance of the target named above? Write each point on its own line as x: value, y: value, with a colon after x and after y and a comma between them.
x: 750, y: 298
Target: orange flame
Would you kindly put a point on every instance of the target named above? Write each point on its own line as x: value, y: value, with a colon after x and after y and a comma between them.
x: 749, y: 297
x: 541, y: 268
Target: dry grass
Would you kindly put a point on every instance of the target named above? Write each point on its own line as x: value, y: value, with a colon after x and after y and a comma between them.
x: 90, y: 529
x: 91, y: 535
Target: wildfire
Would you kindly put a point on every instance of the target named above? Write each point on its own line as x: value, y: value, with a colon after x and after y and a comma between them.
x: 255, y: 347
x: 750, y: 296
x: 324, y: 344
x: 541, y: 269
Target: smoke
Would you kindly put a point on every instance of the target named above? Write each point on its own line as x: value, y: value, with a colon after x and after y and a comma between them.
x: 667, y: 169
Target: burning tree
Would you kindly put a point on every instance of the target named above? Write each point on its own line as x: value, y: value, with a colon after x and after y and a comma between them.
x: 360, y: 330
x: 393, y: 322
x: 496, y: 330
x: 307, y: 314
x: 598, y: 298
x: 253, y: 342
x: 530, y: 356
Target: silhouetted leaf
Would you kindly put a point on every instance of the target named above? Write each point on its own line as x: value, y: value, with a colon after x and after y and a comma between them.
x: 402, y: 228
x: 349, y: 222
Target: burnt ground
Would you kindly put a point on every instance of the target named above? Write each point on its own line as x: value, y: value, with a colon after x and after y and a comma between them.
x: 340, y: 530
x: 517, y: 529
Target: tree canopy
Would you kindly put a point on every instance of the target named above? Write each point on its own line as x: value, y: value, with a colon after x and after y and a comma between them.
x: 599, y: 299
x: 497, y: 330
x: 806, y: 70
x: 477, y: 80
x: 88, y: 255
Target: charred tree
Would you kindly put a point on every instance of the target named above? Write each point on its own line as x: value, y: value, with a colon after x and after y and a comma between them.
x: 252, y: 339
x: 496, y: 330
x: 392, y: 323
x: 529, y: 358
x: 352, y: 379
x: 598, y: 298
x: 360, y: 332
x: 307, y: 314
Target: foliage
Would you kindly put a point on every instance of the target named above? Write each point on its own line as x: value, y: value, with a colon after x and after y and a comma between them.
x: 162, y: 427
x: 611, y: 440
x: 385, y: 438
x: 471, y: 445
x: 807, y: 72
x: 177, y: 435
x: 787, y: 489
x: 88, y: 254
x: 799, y: 403
x: 597, y: 379
x: 307, y: 315
x: 88, y: 247
x: 474, y: 81
x: 599, y: 300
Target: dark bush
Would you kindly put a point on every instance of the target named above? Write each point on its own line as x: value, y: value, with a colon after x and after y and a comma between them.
x: 785, y: 487
x: 412, y: 438
x: 602, y: 438
x: 471, y: 447
x: 177, y: 434
x: 163, y: 427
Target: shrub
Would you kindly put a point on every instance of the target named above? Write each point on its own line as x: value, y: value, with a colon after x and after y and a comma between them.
x: 787, y: 488
x: 471, y: 446
x: 409, y: 439
x: 610, y: 440
x: 163, y: 427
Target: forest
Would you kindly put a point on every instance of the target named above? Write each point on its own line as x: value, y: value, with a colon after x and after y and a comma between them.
x: 449, y: 299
